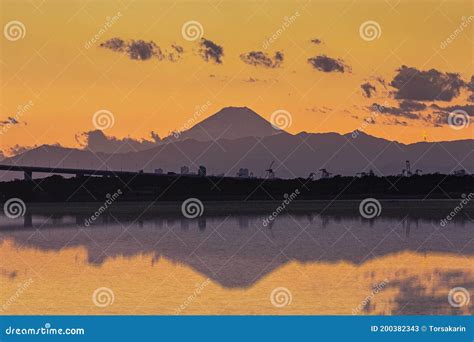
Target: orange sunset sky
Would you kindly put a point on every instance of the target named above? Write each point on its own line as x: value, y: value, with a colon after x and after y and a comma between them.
x: 66, y: 78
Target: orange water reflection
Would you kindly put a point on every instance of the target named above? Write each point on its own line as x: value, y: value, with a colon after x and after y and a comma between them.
x: 63, y: 282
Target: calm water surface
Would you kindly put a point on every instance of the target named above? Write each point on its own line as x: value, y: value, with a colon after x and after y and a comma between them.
x: 304, y: 263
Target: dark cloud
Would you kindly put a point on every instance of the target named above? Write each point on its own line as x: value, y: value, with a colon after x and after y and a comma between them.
x: 394, y: 111
x: 115, y: 44
x: 9, y: 121
x: 97, y: 141
x: 327, y: 64
x: 259, y: 58
x: 469, y: 109
x: 316, y: 41
x: 413, y: 106
x: 210, y: 51
x: 431, y: 85
x: 142, y: 50
x: 368, y: 89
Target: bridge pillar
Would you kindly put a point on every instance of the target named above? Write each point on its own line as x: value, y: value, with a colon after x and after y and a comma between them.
x: 28, y: 175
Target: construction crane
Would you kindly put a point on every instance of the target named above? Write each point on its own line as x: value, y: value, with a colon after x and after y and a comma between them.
x: 325, y: 174
x: 270, y: 174
x: 407, y: 170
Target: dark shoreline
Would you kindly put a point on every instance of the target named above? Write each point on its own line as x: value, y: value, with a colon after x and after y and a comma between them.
x: 142, y: 188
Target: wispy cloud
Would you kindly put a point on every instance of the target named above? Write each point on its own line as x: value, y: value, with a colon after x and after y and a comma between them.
x: 142, y: 50
x: 262, y: 59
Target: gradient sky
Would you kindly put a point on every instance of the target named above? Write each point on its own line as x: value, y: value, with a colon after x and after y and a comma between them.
x: 67, y: 82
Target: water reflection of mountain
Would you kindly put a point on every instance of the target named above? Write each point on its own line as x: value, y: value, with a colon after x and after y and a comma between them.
x: 236, y: 251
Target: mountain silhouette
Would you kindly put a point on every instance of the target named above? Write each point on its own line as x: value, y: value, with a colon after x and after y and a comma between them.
x: 235, y: 138
x: 228, y: 123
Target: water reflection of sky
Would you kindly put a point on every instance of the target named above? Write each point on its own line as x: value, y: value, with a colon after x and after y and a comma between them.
x: 330, y: 264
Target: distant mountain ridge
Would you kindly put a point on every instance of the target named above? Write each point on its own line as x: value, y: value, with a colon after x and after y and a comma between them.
x: 246, y: 140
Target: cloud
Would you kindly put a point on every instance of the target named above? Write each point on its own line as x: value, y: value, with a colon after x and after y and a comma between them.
x: 394, y: 111
x: 259, y: 58
x: 9, y: 121
x: 327, y: 64
x: 412, y: 106
x: 210, y: 51
x: 142, y: 50
x: 368, y: 89
x: 115, y: 44
x: 431, y: 85
x: 97, y: 141
x: 441, y: 114
x: 469, y: 109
